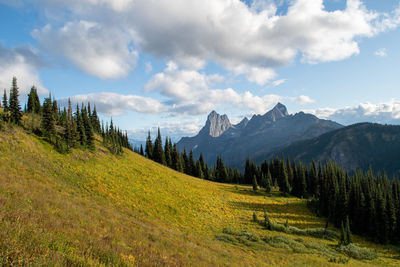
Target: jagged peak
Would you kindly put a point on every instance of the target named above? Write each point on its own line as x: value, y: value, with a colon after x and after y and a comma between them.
x: 216, y: 124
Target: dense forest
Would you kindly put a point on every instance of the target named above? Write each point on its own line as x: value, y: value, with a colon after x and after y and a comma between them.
x: 64, y: 128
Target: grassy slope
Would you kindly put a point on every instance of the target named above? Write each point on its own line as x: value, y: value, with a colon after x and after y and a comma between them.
x: 96, y: 208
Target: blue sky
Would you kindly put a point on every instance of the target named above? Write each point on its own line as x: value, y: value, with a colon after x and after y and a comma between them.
x: 169, y: 63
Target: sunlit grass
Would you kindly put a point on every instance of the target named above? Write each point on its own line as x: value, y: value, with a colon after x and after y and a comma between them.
x: 95, y: 208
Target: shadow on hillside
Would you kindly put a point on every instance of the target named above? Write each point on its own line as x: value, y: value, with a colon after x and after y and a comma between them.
x: 248, y: 192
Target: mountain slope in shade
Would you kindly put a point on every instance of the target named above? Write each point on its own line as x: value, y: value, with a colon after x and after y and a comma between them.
x: 357, y: 146
x: 253, y: 138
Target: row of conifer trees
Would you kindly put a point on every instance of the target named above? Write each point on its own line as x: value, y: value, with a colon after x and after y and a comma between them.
x: 64, y: 128
x: 169, y: 156
x: 371, y: 203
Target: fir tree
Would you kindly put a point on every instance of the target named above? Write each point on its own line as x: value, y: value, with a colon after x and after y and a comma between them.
x: 268, y: 185
x: 255, y: 184
x: 15, y: 108
x: 48, y: 121
x: 33, y: 101
x: 141, y: 150
x: 348, y: 233
x: 5, y: 107
x: 149, y: 147
x: 158, y: 153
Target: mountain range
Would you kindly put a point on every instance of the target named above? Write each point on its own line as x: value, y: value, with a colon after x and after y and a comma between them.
x: 358, y: 146
x: 254, y: 138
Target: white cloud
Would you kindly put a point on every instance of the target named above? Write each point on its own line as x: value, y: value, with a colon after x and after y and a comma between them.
x: 304, y: 100
x: 381, y: 52
x: 388, y: 113
x: 96, y: 49
x: 189, y: 92
x: 113, y: 104
x: 245, y: 40
x: 277, y: 82
x: 24, y: 64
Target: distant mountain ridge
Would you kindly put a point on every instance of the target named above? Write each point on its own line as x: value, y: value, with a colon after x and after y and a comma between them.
x: 253, y: 138
x: 358, y: 146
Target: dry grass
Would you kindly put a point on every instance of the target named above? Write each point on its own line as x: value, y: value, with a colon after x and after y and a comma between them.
x: 94, y: 208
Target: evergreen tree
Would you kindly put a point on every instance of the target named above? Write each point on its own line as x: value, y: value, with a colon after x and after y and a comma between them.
x: 221, y: 174
x: 48, y: 121
x: 88, y: 128
x: 158, y: 153
x: 5, y: 107
x: 141, y: 150
x: 342, y: 239
x: 33, y: 101
x: 199, y: 170
x: 268, y: 185
x: 348, y: 233
x: 255, y: 184
x: 149, y: 147
x: 80, y: 126
x: 167, y: 152
x: 14, y: 107
x: 192, y: 163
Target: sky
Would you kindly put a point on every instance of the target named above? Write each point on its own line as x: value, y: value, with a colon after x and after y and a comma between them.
x: 169, y: 63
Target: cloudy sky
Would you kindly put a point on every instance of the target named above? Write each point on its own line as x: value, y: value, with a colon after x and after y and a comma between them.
x: 170, y: 62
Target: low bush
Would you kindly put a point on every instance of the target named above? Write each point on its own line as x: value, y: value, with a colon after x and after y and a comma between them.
x: 357, y: 253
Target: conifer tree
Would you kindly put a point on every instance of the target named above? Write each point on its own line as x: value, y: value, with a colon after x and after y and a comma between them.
x: 5, y: 107
x: 14, y: 107
x: 199, y: 171
x: 141, y: 150
x: 80, y: 126
x: 149, y: 147
x: 158, y: 153
x: 167, y: 152
x: 192, y: 163
x: 268, y: 185
x: 48, y: 121
x: 348, y: 232
x: 88, y: 128
x: 255, y: 184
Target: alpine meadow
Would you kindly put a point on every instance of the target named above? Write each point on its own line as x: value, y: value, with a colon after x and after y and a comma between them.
x: 199, y: 133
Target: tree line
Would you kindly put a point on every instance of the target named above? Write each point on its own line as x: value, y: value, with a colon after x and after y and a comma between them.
x: 183, y: 162
x: 65, y: 128
x: 367, y: 203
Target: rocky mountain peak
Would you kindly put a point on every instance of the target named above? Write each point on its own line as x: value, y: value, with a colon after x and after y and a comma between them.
x: 278, y: 112
x: 216, y: 124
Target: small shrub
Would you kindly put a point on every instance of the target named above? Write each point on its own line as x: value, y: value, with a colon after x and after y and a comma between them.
x: 226, y: 238
x: 230, y: 231
x: 357, y: 253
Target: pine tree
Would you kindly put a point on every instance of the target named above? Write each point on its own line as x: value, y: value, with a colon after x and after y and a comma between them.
x: 141, y: 150
x: 15, y: 108
x: 5, y: 107
x: 158, y: 153
x: 199, y: 171
x: 167, y: 152
x: 80, y: 126
x: 48, y: 121
x: 255, y: 184
x: 267, y: 222
x: 348, y: 232
x: 268, y: 186
x: 149, y: 147
x: 342, y: 239
x: 88, y: 128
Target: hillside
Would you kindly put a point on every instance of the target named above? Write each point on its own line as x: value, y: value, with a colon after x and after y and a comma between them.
x: 252, y: 138
x: 358, y: 146
x: 95, y: 208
